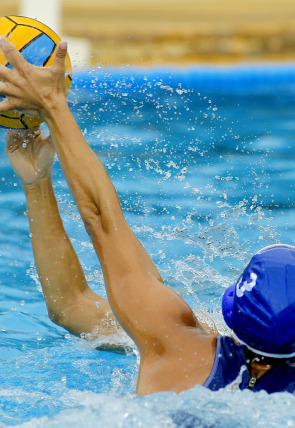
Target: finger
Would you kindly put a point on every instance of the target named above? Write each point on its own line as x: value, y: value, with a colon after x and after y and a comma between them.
x: 6, y: 105
x: 13, y: 134
x: 6, y: 89
x: 12, y: 54
x: 60, y: 56
x: 33, y: 133
x: 16, y: 137
x: 12, y: 140
x: 5, y: 73
x: 36, y: 130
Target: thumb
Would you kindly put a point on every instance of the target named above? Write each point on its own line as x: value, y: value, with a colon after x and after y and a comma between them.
x: 60, y: 56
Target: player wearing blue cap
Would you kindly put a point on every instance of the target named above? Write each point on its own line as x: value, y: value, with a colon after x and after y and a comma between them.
x: 260, y: 309
x: 176, y: 353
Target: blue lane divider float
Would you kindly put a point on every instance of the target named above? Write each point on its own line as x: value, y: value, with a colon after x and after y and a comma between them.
x: 240, y: 79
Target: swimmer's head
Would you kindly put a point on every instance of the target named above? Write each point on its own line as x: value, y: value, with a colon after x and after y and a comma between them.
x: 260, y: 307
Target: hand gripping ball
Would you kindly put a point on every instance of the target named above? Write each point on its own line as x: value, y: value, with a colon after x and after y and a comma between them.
x: 37, y: 44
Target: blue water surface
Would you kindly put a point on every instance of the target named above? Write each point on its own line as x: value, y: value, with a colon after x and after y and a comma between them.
x: 204, y: 168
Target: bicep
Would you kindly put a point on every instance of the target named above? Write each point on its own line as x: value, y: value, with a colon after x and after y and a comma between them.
x: 146, y: 308
x: 150, y: 312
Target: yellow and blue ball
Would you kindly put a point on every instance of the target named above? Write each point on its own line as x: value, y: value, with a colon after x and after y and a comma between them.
x: 37, y: 44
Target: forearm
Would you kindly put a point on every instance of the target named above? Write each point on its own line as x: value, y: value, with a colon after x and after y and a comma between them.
x: 57, y: 264
x: 70, y: 302
x: 86, y: 176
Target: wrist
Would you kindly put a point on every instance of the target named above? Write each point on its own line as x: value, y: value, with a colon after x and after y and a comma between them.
x: 39, y: 186
x: 55, y: 109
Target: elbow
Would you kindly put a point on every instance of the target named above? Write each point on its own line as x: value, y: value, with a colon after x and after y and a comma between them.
x: 58, y: 312
x: 62, y: 320
x: 91, y: 218
x: 107, y: 222
x: 57, y: 318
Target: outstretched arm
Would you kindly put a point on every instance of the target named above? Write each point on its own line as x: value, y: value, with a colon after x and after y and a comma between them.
x: 149, y: 311
x: 70, y: 302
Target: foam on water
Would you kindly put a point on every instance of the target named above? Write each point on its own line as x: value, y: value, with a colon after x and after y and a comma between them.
x: 196, y: 408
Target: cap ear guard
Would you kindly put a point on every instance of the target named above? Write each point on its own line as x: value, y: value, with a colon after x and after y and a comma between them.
x: 228, y: 304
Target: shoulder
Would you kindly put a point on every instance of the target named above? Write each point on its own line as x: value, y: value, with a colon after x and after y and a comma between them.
x: 185, y: 362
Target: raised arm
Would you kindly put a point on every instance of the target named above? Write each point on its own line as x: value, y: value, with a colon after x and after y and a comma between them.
x: 135, y: 289
x: 70, y: 302
x: 157, y: 319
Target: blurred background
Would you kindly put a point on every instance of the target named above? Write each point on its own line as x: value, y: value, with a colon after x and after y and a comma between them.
x: 156, y: 32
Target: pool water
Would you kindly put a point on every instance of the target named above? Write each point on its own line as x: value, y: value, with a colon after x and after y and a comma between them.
x: 205, y: 175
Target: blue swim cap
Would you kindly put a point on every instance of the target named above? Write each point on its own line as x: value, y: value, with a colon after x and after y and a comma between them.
x: 260, y: 307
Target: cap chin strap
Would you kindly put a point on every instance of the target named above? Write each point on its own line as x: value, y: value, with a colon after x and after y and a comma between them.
x: 259, y: 352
